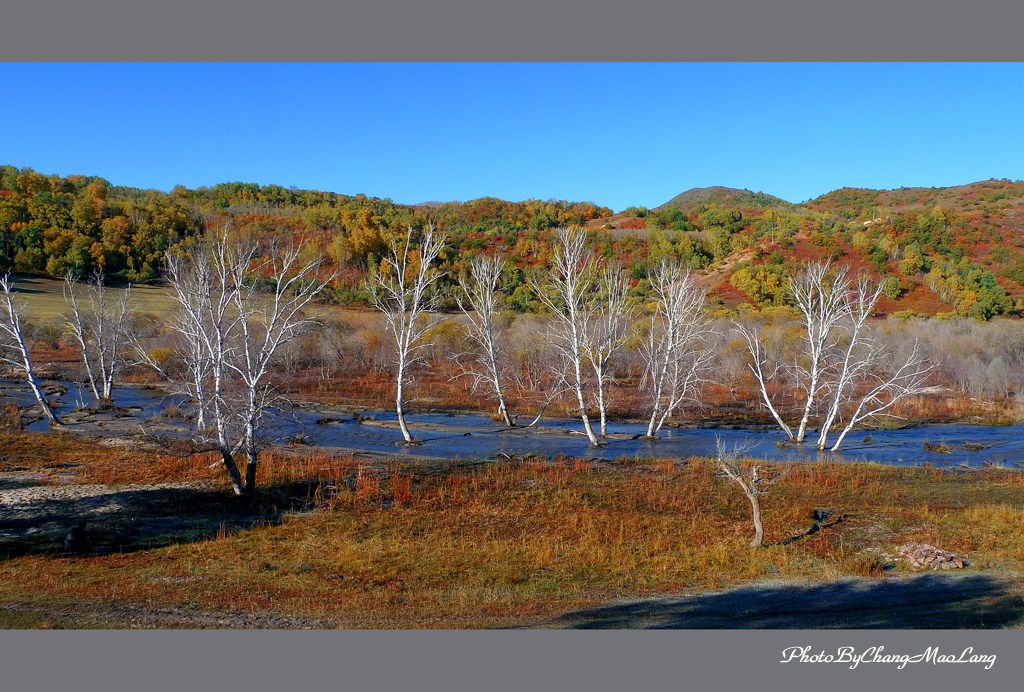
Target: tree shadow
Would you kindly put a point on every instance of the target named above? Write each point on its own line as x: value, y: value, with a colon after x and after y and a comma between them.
x: 129, y: 520
x: 16, y: 483
x: 928, y: 601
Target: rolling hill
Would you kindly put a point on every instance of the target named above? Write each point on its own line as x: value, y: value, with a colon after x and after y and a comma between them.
x: 939, y: 251
x: 724, y: 197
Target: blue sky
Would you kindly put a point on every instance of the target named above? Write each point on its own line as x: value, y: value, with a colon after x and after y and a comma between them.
x: 615, y: 134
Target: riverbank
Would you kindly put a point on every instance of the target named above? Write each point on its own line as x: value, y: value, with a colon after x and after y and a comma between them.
x: 385, y: 541
x: 144, y: 413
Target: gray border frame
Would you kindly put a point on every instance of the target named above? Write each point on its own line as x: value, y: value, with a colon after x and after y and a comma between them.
x: 491, y: 660
x: 198, y: 30
x: 732, y: 30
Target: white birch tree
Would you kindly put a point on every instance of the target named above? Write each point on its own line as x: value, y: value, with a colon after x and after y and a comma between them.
x: 478, y: 301
x: 233, y: 333
x: 885, y: 389
x: 14, y: 350
x: 675, y: 352
x: 203, y: 281
x: 568, y: 295
x: 824, y: 303
x: 100, y: 326
x: 401, y: 287
x: 862, y: 366
x: 841, y: 367
x: 608, y: 333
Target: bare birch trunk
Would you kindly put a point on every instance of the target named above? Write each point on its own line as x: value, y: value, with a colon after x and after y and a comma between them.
x: 479, y: 289
x: 399, y: 409
x: 11, y: 328
x: 568, y: 297
x: 675, y: 353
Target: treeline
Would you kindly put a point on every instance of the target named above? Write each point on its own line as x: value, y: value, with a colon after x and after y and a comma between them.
x: 79, y: 224
x: 958, y: 257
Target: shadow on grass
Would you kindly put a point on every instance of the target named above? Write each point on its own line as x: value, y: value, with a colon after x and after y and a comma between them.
x: 16, y: 483
x: 929, y: 601
x: 124, y: 521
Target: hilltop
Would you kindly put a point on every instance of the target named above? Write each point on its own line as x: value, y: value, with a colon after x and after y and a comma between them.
x: 724, y: 197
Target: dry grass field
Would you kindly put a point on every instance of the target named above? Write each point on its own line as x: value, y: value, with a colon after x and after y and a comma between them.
x: 336, y: 540
x: 45, y: 302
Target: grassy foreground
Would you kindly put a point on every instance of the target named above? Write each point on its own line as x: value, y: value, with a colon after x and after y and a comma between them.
x: 343, y: 541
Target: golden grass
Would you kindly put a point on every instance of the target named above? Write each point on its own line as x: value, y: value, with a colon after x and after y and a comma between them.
x: 86, y: 460
x: 44, y: 297
x: 430, y: 544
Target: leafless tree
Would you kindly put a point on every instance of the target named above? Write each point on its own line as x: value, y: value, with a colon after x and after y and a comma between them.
x: 203, y: 281
x: 568, y: 295
x: 675, y: 351
x: 14, y: 350
x: 100, y: 327
x: 479, y: 303
x: 840, y: 360
x: 862, y: 365
x: 750, y: 477
x: 233, y: 333
x: 401, y: 288
x: 608, y: 332
x: 824, y: 303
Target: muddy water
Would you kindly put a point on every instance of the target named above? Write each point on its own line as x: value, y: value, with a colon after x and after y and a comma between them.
x: 130, y: 403
x: 475, y: 437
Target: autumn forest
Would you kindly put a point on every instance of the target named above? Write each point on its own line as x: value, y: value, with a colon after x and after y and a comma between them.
x: 937, y: 251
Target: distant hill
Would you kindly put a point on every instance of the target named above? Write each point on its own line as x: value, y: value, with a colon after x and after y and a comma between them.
x: 857, y: 200
x: 724, y: 197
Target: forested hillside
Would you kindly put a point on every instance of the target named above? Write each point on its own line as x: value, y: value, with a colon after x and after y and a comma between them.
x: 939, y: 251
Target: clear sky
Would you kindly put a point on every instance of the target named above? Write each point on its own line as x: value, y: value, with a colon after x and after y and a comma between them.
x: 615, y: 134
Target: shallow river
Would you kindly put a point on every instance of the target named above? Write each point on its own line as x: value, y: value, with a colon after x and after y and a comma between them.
x: 475, y: 436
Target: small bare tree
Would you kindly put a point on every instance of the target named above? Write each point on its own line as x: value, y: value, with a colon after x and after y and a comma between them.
x: 14, y: 350
x: 401, y: 288
x: 233, y: 333
x: 750, y: 477
x: 101, y: 329
x: 675, y: 352
x: 479, y: 303
x: 568, y: 296
x: 608, y: 333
